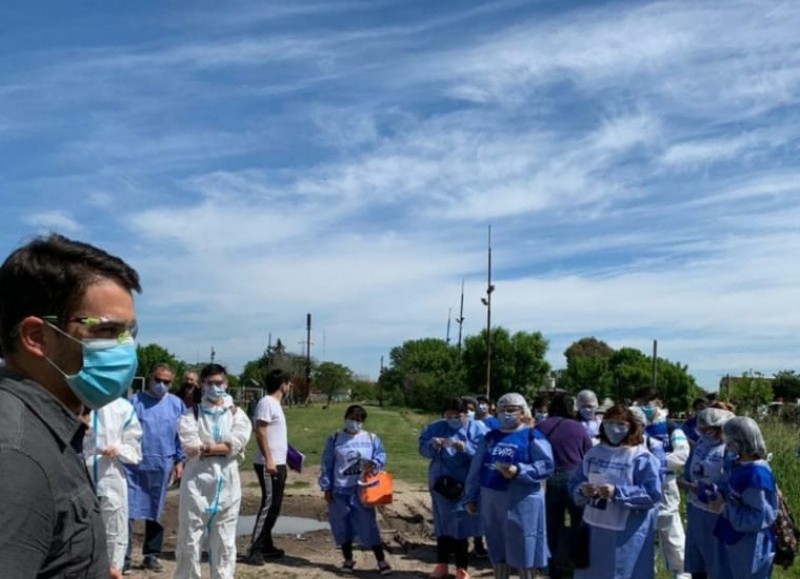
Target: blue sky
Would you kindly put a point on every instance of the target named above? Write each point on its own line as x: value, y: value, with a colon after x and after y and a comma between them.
x: 258, y: 161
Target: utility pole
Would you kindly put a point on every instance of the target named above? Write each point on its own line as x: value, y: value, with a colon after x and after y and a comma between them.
x: 380, y: 386
x: 213, y: 354
x: 449, y: 316
x: 487, y: 301
x: 308, y: 355
x: 460, y: 318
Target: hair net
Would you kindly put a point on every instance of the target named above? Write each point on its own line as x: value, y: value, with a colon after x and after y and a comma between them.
x: 586, y: 397
x: 713, y: 417
x: 514, y: 399
x: 744, y: 432
x: 638, y: 414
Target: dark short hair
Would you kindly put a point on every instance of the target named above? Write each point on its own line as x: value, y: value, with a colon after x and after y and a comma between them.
x: 562, y: 405
x: 622, y: 413
x: 275, y: 379
x: 539, y: 401
x: 455, y: 403
x: 470, y: 400
x: 699, y: 404
x: 49, y: 277
x: 160, y: 366
x: 647, y: 393
x: 356, y: 412
x: 483, y: 398
x: 212, y: 370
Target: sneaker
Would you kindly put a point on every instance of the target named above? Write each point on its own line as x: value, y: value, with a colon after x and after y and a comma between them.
x: 274, y: 553
x: 256, y: 559
x: 384, y: 568
x: 153, y: 564
x: 439, y: 572
x: 480, y: 552
x: 462, y: 573
x: 126, y: 569
x: 348, y: 566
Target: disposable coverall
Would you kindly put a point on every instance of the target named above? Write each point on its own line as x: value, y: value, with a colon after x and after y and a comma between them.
x: 210, y: 490
x: 114, y: 426
x: 449, y: 517
x: 621, y: 544
x: 343, y: 461
x: 512, y: 510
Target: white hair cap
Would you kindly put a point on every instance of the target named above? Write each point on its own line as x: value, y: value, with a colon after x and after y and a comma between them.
x: 586, y: 397
x: 514, y: 399
x: 638, y: 414
x: 713, y: 417
x: 744, y: 432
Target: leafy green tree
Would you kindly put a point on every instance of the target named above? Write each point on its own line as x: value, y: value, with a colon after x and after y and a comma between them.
x: 518, y: 362
x: 786, y: 385
x: 276, y: 356
x: 332, y: 379
x: 152, y: 354
x: 421, y: 374
x: 749, y: 392
x: 587, y: 365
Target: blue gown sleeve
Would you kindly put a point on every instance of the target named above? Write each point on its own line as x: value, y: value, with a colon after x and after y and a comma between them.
x: 645, y: 492
x: 472, y: 487
x: 751, y: 513
x: 426, y: 447
x: 476, y: 430
x: 327, y: 466
x: 541, y: 464
x: 574, y: 485
x: 378, y: 453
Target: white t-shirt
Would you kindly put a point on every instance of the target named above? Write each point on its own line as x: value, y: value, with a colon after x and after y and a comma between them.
x: 269, y: 410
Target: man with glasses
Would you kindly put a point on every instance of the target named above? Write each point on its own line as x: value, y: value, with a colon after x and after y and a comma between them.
x: 162, y: 461
x: 67, y: 329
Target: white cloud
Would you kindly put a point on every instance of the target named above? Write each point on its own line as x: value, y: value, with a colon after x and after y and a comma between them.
x: 58, y: 221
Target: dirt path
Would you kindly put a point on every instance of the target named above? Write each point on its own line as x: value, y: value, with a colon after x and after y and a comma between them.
x: 406, y: 527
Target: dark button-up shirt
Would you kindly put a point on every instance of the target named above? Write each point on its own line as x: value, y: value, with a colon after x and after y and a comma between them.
x: 50, y: 523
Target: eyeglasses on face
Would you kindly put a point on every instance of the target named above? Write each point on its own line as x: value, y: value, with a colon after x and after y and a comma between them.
x: 100, y: 327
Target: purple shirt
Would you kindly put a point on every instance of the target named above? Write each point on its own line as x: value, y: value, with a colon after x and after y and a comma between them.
x: 569, y: 440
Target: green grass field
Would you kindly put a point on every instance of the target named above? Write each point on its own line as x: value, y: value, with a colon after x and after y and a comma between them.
x: 399, y: 429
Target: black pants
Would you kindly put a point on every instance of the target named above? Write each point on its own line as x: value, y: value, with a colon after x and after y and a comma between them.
x: 153, y: 540
x: 272, y: 487
x: 558, y: 503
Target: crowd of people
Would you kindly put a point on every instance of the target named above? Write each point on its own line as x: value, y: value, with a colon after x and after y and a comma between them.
x: 82, y: 462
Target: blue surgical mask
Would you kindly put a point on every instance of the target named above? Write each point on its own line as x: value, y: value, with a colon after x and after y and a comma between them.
x: 587, y: 412
x: 508, y: 419
x: 108, y: 370
x: 483, y: 408
x: 213, y: 392
x: 353, y: 426
x: 471, y: 414
x: 649, y: 412
x: 615, y: 432
x: 454, y: 423
x: 158, y: 389
x: 540, y: 416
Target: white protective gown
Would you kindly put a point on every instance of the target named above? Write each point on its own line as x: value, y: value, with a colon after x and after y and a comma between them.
x: 210, y: 490
x: 115, y: 425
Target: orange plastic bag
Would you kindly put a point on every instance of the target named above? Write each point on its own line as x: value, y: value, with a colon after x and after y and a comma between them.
x: 376, y: 489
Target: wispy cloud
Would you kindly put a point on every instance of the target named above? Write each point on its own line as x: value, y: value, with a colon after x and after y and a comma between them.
x: 58, y: 221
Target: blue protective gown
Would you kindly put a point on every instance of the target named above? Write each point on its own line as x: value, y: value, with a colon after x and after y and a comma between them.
x: 751, y: 506
x: 512, y: 510
x: 705, y: 467
x: 342, y: 467
x: 621, y: 537
x: 449, y: 517
x: 161, y: 449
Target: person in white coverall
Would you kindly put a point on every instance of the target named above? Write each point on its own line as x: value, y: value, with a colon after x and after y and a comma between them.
x: 114, y: 437
x: 212, y: 434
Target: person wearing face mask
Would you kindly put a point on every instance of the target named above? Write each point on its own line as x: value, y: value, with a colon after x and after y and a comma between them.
x: 586, y: 403
x: 190, y: 391
x: 348, y: 454
x: 619, y: 486
x: 158, y: 412
x: 483, y: 412
x: 450, y: 444
x: 705, y: 474
x: 505, y: 487
x: 67, y: 330
x: 669, y: 527
x: 213, y: 434
x: 479, y: 548
x: 749, y: 504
